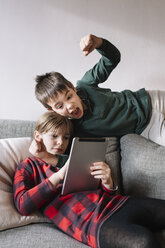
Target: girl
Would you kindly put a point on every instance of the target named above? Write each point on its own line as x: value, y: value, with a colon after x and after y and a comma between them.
x: 98, y: 218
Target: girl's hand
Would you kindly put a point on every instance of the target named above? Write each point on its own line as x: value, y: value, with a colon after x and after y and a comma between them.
x: 58, y: 176
x: 89, y: 42
x: 101, y: 170
x: 37, y: 149
x: 62, y: 171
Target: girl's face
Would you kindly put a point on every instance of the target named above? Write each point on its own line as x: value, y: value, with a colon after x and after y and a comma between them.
x: 56, y: 142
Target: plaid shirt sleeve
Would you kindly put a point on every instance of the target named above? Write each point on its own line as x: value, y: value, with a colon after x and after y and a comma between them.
x: 28, y: 194
x: 110, y: 191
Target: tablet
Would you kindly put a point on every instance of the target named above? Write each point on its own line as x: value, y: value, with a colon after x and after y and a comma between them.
x: 84, y: 151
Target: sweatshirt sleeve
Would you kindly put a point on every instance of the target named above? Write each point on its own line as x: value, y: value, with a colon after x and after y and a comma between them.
x: 101, y: 71
x: 28, y: 196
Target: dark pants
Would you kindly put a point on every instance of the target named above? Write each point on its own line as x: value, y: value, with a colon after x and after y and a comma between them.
x: 134, y: 224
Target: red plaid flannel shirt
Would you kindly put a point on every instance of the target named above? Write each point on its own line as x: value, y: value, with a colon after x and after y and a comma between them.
x: 80, y: 215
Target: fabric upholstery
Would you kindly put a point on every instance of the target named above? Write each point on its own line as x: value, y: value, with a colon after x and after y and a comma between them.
x: 112, y: 158
x: 142, y: 167
x: 16, y: 128
x: 41, y: 235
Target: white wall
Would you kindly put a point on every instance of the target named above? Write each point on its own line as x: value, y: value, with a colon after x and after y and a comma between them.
x: 37, y: 36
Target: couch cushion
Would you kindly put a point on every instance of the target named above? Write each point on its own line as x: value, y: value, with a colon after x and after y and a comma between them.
x: 142, y: 167
x: 41, y: 235
x: 112, y: 158
x: 12, y: 151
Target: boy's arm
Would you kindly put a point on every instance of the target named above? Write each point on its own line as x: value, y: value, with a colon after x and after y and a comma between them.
x: 109, y: 60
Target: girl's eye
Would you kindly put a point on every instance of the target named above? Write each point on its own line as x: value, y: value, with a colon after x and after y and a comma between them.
x: 54, y: 136
x: 66, y: 137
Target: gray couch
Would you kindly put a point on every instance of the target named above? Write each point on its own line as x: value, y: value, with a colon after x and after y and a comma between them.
x: 138, y: 167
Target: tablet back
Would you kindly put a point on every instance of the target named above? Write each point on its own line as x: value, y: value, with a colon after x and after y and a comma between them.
x: 84, y: 151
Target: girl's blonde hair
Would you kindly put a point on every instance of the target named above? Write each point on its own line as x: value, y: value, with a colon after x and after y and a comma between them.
x: 51, y: 121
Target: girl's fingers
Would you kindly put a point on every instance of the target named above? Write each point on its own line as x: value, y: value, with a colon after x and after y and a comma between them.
x: 94, y: 168
x: 97, y: 172
x: 100, y: 174
x: 99, y: 165
x: 102, y: 177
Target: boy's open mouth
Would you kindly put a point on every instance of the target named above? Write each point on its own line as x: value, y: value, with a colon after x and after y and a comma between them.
x: 77, y: 113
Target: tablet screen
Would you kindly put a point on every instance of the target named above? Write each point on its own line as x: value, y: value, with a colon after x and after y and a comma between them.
x: 84, y: 151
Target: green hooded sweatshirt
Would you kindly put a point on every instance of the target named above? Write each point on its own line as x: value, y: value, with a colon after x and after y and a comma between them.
x: 110, y: 113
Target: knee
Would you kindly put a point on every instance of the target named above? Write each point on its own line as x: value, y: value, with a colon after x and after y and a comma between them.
x: 148, y: 240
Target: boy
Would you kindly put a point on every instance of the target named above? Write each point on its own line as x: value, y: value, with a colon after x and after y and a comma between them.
x: 99, y: 112
x: 98, y: 218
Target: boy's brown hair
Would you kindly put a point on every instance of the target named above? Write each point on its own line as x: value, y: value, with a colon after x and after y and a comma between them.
x: 48, y: 85
x: 51, y: 121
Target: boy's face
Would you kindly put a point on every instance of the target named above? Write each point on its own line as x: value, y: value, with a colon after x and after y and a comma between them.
x: 68, y: 104
x: 56, y: 142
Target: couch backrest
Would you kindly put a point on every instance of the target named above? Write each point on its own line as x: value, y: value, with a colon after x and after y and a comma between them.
x: 16, y: 128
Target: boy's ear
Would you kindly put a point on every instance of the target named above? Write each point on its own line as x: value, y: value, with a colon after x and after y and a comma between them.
x: 37, y: 136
